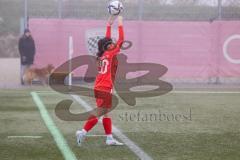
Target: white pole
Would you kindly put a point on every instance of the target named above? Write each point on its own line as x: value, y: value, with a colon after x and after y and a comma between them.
x: 70, y: 54
x: 60, y: 9
x: 25, y: 14
x: 140, y: 10
x: 219, y: 9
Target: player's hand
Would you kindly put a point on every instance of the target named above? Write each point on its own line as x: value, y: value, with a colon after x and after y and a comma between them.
x: 120, y: 20
x: 24, y: 58
x: 111, y: 19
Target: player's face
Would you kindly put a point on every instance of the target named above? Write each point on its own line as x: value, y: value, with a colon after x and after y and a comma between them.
x: 28, y: 34
x: 111, y: 46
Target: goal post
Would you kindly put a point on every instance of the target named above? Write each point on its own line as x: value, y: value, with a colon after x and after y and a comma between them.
x: 70, y: 55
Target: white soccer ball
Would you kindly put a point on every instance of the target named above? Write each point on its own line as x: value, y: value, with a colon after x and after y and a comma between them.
x: 115, y: 7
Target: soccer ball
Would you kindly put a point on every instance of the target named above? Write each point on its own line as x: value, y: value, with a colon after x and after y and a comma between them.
x: 115, y: 7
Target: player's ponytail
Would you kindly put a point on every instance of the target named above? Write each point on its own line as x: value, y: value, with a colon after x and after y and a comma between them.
x: 100, y: 48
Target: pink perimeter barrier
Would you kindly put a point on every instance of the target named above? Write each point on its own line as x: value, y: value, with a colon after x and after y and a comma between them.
x: 190, y: 50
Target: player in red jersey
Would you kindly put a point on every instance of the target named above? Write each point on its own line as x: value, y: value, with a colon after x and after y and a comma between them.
x: 107, y: 67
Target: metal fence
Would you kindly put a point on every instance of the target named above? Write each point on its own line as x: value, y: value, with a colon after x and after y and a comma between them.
x: 166, y: 10
x: 175, y: 10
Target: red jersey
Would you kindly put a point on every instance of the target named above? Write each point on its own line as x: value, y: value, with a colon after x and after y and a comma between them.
x: 107, y: 66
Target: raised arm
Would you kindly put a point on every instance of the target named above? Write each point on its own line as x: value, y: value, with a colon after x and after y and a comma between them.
x: 108, y: 32
x: 120, y: 31
x: 109, y: 24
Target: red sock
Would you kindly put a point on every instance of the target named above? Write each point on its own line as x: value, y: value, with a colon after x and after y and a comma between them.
x: 92, y: 121
x: 107, y: 124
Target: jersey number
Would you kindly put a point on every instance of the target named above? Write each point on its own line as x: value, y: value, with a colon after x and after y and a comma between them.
x: 103, y: 66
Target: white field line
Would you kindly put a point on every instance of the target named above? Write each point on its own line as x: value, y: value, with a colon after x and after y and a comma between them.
x: 30, y: 137
x: 47, y: 92
x: 55, y: 132
x: 131, y: 145
x: 206, y: 92
x: 173, y: 92
x: 92, y: 135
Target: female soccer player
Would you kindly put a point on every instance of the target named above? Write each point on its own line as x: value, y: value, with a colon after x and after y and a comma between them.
x: 107, y: 67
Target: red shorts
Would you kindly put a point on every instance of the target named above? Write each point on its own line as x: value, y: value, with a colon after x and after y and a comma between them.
x: 103, y: 97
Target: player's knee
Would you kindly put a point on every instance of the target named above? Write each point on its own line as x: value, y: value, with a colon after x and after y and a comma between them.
x: 107, y: 115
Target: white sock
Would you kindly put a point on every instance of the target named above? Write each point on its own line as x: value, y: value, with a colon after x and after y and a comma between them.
x: 84, y: 131
x: 109, y: 136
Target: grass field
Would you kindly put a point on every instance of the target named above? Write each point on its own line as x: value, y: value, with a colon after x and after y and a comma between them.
x: 194, y: 125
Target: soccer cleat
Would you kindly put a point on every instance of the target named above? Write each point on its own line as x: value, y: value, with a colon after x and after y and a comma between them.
x: 113, y: 142
x: 80, y: 137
